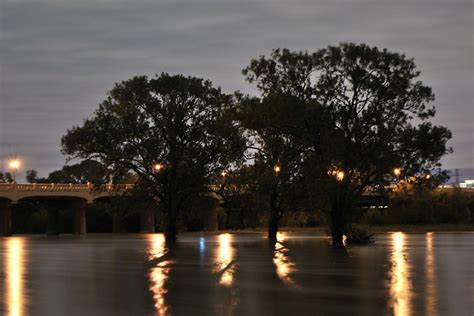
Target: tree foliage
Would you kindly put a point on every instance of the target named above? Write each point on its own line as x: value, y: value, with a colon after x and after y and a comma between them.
x: 373, y: 117
x: 180, y: 123
x: 6, y: 177
x: 277, y: 157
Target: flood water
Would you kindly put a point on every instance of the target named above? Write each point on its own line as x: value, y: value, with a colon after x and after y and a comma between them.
x: 237, y: 274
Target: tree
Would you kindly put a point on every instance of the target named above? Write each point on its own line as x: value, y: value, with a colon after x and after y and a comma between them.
x: 31, y: 176
x: 80, y: 173
x: 374, y: 114
x: 173, y: 132
x: 276, y: 156
x: 6, y: 177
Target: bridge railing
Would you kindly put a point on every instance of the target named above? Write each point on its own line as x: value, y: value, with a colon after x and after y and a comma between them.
x: 61, y: 187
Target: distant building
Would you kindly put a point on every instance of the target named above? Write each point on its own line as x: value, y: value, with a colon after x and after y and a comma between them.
x: 468, y: 184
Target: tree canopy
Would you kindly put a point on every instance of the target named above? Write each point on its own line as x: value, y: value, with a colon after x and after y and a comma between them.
x: 373, y: 117
x: 174, y: 132
x: 335, y: 122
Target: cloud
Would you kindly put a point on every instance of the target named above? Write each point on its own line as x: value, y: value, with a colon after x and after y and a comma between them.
x: 58, y: 58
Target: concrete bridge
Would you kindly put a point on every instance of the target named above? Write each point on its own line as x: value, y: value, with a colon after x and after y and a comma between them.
x: 55, y: 197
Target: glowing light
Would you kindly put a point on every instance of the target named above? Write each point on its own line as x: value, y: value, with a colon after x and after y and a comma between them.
x: 14, y: 164
x: 225, y: 256
x: 400, y: 293
x: 202, y: 245
x: 431, y: 306
x: 223, y: 173
x: 428, y: 176
x: 158, y: 167
x: 158, y: 275
x: 14, y: 272
x: 284, y: 266
x: 340, y: 175
x: 397, y: 171
x: 277, y: 168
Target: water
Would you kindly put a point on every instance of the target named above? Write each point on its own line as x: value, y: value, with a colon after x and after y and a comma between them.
x: 237, y: 274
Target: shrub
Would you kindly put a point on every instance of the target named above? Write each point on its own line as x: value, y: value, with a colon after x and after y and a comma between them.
x: 375, y: 216
x: 359, y: 236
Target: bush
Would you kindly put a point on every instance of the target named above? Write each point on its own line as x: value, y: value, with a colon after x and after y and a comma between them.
x: 302, y: 219
x: 359, y: 236
x: 426, y: 208
x: 375, y: 216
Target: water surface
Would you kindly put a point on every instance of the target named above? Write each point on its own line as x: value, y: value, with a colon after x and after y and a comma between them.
x: 237, y: 274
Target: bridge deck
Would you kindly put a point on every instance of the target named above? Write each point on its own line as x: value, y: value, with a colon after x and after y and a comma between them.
x: 16, y: 191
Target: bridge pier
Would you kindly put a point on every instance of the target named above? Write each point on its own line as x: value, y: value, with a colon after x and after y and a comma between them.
x: 5, y: 218
x: 147, y: 218
x: 79, y: 209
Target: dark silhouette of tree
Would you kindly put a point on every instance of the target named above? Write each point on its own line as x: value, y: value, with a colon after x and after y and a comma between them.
x: 86, y: 171
x: 173, y: 132
x: 6, y: 177
x: 277, y: 157
x: 372, y: 119
x: 31, y: 176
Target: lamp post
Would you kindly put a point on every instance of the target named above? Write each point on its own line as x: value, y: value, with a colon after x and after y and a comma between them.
x: 14, y: 165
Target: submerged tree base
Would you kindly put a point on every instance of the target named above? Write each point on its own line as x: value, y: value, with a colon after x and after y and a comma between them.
x: 359, y: 236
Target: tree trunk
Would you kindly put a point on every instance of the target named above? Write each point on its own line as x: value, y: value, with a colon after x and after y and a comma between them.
x: 171, y: 233
x: 171, y: 226
x: 338, y: 223
x: 337, y: 238
x: 273, y: 218
x: 272, y: 228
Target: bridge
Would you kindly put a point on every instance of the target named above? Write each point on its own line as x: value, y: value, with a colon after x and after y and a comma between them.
x: 55, y: 197
x: 75, y: 197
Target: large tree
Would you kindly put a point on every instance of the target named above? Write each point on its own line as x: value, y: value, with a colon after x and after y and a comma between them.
x: 174, y: 132
x: 374, y: 115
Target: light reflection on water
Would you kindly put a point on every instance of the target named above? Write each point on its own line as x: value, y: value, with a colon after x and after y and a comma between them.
x: 283, y: 263
x: 428, y: 274
x: 158, y: 274
x: 14, y: 271
x: 225, y: 260
x: 400, y: 285
x: 431, y: 300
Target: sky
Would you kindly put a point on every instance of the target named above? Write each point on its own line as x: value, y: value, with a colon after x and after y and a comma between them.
x: 58, y: 58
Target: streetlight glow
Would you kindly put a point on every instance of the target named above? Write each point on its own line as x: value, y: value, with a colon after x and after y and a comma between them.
x: 340, y: 175
x: 223, y: 173
x: 157, y: 167
x: 397, y: 171
x: 277, y: 168
x: 14, y: 164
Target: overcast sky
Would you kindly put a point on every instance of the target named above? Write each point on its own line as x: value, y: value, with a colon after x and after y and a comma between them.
x: 59, y: 58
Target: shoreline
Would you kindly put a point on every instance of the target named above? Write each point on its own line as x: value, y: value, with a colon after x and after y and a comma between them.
x: 447, y: 228
x: 370, y: 228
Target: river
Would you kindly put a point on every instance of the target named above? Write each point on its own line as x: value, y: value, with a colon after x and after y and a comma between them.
x: 237, y: 274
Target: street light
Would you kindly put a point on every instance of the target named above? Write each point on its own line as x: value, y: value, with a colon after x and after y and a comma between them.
x: 157, y: 167
x: 397, y: 171
x: 340, y: 175
x: 277, y: 169
x: 223, y: 173
x: 14, y: 165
